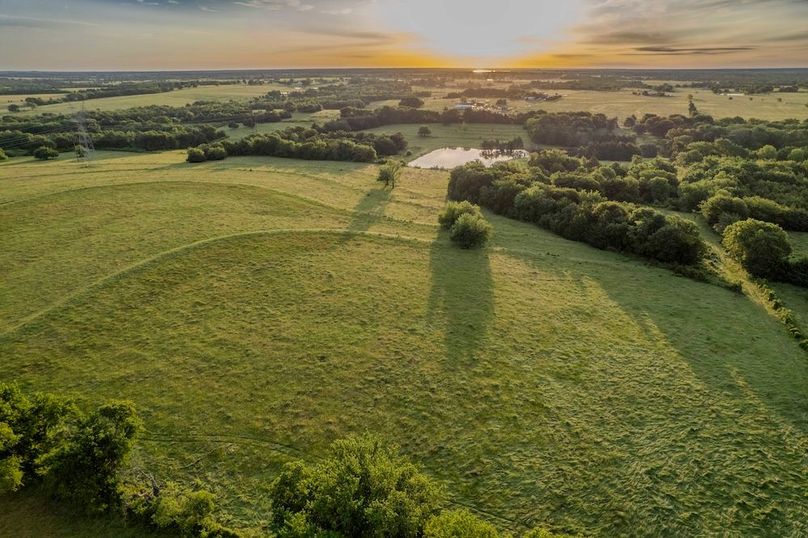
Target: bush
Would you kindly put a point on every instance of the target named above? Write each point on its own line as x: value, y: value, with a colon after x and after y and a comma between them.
x: 454, y: 210
x: 470, y: 231
x: 459, y: 524
x: 196, y: 155
x: 424, y: 131
x: 44, y: 153
x: 362, y: 488
x: 762, y: 248
x: 3, y: 155
x: 189, y: 512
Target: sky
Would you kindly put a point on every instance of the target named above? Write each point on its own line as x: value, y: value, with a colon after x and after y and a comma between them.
x: 236, y: 34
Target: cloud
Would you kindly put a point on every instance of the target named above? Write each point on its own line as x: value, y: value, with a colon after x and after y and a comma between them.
x: 688, y: 33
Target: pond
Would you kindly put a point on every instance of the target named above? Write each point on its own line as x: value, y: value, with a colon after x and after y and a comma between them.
x: 446, y: 158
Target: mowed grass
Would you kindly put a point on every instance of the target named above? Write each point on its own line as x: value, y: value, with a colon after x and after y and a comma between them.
x: 624, y: 103
x: 257, y: 309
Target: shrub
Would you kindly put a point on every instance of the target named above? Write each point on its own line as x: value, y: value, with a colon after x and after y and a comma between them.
x: 761, y: 247
x: 196, y: 155
x: 454, y: 210
x: 189, y: 512
x: 459, y: 524
x: 424, y: 131
x: 3, y: 155
x: 470, y: 231
x: 44, y: 153
x: 363, y: 488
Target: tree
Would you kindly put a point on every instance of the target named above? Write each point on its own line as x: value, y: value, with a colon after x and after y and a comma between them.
x: 44, y: 153
x: 389, y: 173
x: 30, y: 430
x: 470, y: 231
x: 362, y: 488
x: 3, y: 155
x: 796, y: 154
x: 722, y: 209
x: 85, y: 470
x: 196, y: 155
x: 761, y: 247
x: 691, y: 108
x: 459, y: 524
x: 453, y: 212
x: 767, y: 153
x: 424, y: 131
x: 13, y: 108
x: 412, y: 102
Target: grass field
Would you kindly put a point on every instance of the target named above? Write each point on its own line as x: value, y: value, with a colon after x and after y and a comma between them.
x: 620, y: 103
x: 256, y: 309
x: 175, y: 98
x: 623, y: 103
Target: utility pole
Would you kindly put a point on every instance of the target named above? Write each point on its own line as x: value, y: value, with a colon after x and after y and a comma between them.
x: 84, y: 143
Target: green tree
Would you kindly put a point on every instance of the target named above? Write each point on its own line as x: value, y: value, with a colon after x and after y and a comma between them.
x: 196, y: 155
x: 85, y: 470
x: 796, y: 154
x: 691, y: 108
x: 389, y: 173
x: 767, y: 153
x: 424, y: 131
x: 454, y: 210
x: 44, y: 153
x: 412, y: 102
x: 761, y: 247
x: 459, y: 524
x: 13, y: 108
x: 470, y: 231
x: 722, y: 209
x: 362, y: 488
x: 3, y: 155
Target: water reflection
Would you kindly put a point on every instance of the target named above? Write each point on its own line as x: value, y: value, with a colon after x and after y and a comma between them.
x: 446, y: 158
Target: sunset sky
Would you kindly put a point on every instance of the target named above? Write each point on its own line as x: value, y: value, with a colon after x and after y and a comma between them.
x: 224, y: 34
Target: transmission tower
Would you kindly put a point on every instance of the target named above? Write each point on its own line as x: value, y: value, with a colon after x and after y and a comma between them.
x: 84, y: 144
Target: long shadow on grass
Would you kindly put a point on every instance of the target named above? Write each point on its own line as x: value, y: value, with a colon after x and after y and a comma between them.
x: 461, y: 298
x: 369, y: 209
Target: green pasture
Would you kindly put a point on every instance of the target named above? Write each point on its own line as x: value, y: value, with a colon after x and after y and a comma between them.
x: 256, y: 309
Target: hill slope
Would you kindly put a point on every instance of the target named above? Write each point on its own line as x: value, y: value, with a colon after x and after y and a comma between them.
x: 257, y: 309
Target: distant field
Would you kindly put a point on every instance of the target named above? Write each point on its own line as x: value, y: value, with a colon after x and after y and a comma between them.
x: 623, y: 103
x: 6, y: 100
x: 175, y: 98
x: 256, y: 309
x: 298, y: 119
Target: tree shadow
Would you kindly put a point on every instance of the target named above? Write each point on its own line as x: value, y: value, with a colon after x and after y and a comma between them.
x: 461, y: 299
x: 369, y: 210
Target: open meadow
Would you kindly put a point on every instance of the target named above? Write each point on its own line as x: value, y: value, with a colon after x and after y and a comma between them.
x: 624, y: 103
x: 256, y: 309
